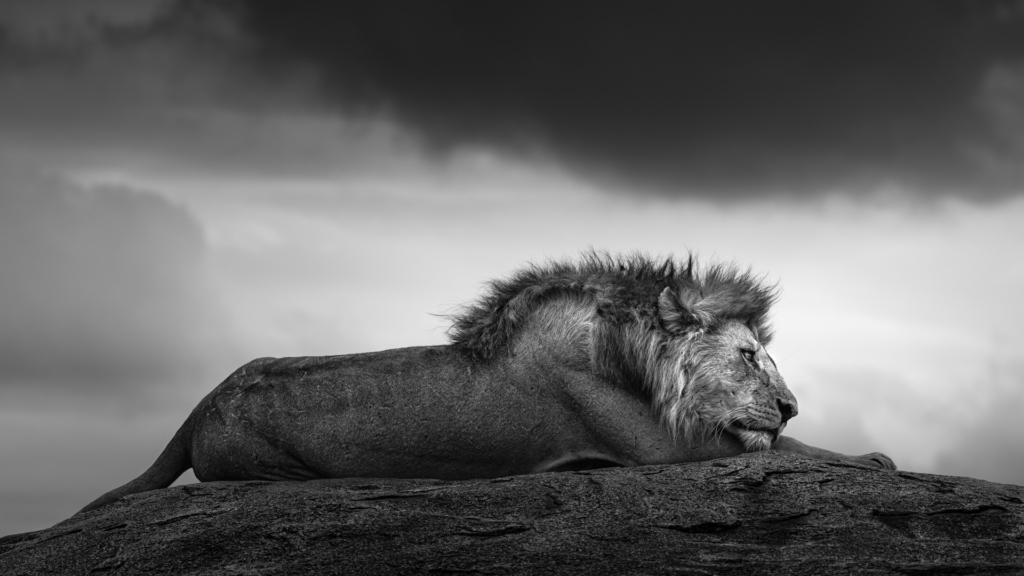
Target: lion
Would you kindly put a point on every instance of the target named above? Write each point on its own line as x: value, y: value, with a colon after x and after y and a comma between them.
x: 573, y: 365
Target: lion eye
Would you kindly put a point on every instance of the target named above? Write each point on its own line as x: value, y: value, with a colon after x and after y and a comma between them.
x: 748, y: 354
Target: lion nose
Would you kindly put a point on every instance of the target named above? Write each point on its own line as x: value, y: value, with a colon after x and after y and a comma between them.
x: 787, y: 409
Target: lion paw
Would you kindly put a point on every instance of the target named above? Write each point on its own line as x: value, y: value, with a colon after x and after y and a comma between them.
x: 878, y: 460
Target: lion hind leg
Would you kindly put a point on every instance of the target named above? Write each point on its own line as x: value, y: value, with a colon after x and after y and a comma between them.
x: 172, y: 463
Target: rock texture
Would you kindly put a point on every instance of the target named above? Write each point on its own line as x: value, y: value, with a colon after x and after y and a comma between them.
x: 756, y: 514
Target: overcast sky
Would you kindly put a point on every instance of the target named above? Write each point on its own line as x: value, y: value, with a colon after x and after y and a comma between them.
x: 185, y: 186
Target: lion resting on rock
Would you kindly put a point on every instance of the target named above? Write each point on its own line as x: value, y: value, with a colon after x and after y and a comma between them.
x: 570, y: 366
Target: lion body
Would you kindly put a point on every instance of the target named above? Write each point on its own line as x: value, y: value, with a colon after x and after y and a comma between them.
x: 608, y: 362
x: 417, y: 412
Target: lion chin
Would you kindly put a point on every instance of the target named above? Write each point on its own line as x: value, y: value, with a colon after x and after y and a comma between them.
x: 753, y: 439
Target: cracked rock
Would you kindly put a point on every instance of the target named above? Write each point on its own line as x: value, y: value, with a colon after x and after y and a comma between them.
x: 766, y: 513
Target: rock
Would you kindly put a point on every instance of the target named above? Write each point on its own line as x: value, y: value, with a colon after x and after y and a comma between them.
x: 767, y: 513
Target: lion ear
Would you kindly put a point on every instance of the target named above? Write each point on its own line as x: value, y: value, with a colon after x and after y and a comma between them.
x: 762, y: 331
x: 752, y: 325
x: 677, y: 314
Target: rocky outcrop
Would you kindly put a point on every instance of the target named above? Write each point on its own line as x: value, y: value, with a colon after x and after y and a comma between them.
x: 757, y: 514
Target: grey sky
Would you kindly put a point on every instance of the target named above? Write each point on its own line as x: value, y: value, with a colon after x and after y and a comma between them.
x: 101, y: 287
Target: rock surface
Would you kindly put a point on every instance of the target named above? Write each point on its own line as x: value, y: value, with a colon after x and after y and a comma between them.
x: 757, y: 514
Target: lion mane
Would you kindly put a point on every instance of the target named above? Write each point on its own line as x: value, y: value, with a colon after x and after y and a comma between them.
x: 628, y: 340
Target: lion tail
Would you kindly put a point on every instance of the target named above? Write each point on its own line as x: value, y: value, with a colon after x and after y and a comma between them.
x: 172, y: 462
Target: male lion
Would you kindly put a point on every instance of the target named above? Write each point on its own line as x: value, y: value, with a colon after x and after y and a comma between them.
x: 574, y: 365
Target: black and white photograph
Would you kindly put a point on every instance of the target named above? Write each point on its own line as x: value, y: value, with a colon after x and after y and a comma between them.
x: 466, y: 286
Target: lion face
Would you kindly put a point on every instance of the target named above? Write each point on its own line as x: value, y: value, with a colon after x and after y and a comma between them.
x: 738, y: 387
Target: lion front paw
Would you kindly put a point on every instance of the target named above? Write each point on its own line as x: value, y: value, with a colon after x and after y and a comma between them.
x: 876, y: 459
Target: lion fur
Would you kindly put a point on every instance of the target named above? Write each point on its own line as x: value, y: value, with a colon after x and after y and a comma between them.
x: 629, y: 339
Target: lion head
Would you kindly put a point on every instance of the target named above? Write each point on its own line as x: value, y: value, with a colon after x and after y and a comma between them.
x: 691, y: 340
x: 730, y: 383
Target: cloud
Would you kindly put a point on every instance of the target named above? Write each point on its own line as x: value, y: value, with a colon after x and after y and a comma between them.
x: 1001, y: 99
x: 101, y: 287
x: 724, y: 98
x: 170, y: 93
x: 47, y: 20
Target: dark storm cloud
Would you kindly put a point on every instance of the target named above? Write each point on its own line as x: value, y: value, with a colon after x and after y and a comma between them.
x: 174, y: 90
x: 46, y: 20
x: 716, y: 96
x: 100, y: 287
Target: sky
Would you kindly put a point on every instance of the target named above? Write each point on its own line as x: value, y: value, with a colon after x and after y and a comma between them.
x: 186, y: 186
